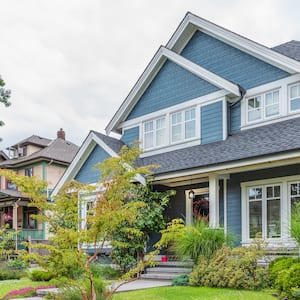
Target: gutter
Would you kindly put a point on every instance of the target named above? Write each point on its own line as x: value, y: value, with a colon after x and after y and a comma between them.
x: 242, y: 94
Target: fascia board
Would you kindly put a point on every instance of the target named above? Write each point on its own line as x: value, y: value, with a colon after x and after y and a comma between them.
x: 201, y: 72
x: 238, y: 41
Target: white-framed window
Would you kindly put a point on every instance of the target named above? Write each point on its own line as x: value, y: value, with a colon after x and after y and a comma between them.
x: 264, y: 211
x: 294, y: 97
x: 183, y: 125
x: 155, y: 133
x: 264, y: 106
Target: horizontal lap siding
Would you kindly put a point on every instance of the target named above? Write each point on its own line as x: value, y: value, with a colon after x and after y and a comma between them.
x: 87, y: 173
x: 235, y: 117
x: 229, y: 62
x: 130, y: 136
x: 212, y: 123
x: 172, y: 85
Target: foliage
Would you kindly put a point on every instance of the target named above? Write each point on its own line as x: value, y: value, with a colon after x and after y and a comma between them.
x: 185, y: 292
x: 105, y: 272
x: 192, y: 241
x: 285, y: 276
x: 181, y: 280
x: 295, y: 222
x: 129, y: 240
x: 7, y: 243
x: 40, y: 275
x: 18, y: 264
x: 4, y: 96
x: 9, y: 273
x: 24, y: 292
x: 231, y: 267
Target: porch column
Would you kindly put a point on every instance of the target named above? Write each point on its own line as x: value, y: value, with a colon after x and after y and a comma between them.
x: 214, y: 201
x: 15, y: 217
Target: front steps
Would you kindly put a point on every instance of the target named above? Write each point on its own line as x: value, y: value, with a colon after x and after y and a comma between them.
x: 168, y: 270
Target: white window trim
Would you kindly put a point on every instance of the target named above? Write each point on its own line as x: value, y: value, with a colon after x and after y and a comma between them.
x: 182, y: 123
x: 263, y: 116
x: 289, y: 97
x: 285, y: 240
x: 154, y: 133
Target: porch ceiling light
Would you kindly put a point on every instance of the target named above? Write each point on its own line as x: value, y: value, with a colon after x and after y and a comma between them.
x: 191, y: 194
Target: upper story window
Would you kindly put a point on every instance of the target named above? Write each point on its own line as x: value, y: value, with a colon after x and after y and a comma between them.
x: 183, y: 125
x: 263, y: 106
x: 29, y: 172
x: 155, y: 133
x: 10, y: 185
x: 294, y: 97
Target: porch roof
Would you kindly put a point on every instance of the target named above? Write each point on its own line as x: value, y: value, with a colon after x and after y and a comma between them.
x: 272, y: 139
x: 9, y: 194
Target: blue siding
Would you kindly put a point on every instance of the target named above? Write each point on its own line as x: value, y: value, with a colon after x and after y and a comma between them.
x: 234, y: 193
x: 235, y: 118
x: 211, y: 123
x: 172, y: 85
x: 229, y: 62
x: 130, y: 135
x: 87, y: 173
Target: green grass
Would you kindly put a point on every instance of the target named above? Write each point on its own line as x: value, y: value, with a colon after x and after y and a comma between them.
x: 10, y: 285
x: 193, y: 293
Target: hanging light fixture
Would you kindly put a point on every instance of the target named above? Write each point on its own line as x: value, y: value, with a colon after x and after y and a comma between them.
x: 191, y: 194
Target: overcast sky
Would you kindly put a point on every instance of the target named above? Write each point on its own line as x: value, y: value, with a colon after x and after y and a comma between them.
x: 70, y: 64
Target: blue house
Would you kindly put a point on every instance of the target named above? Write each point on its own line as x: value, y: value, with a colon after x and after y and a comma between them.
x: 220, y: 115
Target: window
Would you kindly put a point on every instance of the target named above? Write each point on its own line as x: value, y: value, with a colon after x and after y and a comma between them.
x: 294, y: 96
x: 294, y: 193
x: 183, y: 125
x: 155, y: 133
x: 29, y: 172
x: 263, y: 106
x: 10, y: 185
x: 264, y: 211
x: 28, y: 221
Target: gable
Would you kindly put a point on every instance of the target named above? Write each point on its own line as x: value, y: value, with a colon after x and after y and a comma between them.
x: 172, y: 85
x: 229, y: 62
x: 87, y: 173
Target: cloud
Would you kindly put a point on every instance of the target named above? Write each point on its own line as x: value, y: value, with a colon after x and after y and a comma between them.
x: 70, y: 64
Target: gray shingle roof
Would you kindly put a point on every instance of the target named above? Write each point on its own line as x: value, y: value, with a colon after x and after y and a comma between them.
x: 58, y: 150
x: 35, y: 140
x: 252, y: 143
x: 113, y: 143
x: 290, y: 49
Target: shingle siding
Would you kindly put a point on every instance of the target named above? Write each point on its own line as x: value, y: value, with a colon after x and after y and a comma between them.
x: 212, y: 122
x: 87, y: 173
x: 229, y: 62
x: 172, y: 85
x: 130, y: 136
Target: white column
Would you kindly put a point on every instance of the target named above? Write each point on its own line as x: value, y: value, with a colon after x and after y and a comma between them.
x: 15, y: 216
x: 214, y: 201
x: 225, y: 203
x: 188, y: 209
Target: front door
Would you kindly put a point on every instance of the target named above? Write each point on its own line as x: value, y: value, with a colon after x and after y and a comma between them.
x: 197, y: 208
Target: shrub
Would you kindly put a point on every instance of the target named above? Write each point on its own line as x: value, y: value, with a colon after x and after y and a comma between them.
x: 181, y: 280
x: 231, y: 267
x: 10, y: 273
x: 40, y: 275
x: 17, y: 264
x: 105, y: 272
x: 200, y: 240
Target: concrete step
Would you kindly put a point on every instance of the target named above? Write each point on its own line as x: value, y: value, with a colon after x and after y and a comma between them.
x: 175, y: 263
x: 161, y: 276
x: 168, y: 270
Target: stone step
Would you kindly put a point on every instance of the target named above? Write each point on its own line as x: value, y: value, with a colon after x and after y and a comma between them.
x: 168, y: 270
x: 174, y: 263
x: 161, y: 276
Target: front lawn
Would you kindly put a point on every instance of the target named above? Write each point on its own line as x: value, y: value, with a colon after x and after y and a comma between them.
x: 193, y: 293
x: 10, y: 285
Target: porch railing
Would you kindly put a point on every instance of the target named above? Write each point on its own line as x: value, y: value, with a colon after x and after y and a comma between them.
x: 29, y: 234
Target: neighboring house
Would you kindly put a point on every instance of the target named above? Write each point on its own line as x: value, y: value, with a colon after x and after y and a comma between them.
x: 220, y: 115
x: 35, y: 156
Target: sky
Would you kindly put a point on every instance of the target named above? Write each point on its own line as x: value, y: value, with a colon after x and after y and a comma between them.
x: 70, y: 64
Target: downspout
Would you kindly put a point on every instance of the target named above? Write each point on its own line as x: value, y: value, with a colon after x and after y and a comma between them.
x: 242, y: 94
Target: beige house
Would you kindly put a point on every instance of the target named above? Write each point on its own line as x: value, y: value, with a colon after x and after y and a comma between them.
x: 34, y: 156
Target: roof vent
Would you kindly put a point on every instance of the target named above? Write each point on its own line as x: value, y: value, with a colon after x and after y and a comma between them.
x: 61, y: 134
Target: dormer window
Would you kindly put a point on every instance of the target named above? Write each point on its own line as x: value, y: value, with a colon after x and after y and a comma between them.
x: 263, y: 106
x: 183, y: 125
x: 155, y: 133
x: 294, y: 96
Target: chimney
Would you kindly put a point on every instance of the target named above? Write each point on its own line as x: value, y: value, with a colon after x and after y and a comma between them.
x: 61, y: 134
